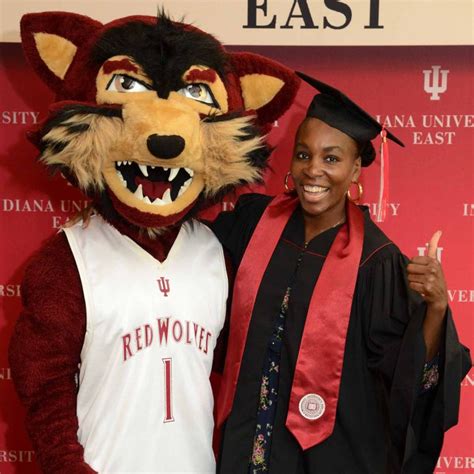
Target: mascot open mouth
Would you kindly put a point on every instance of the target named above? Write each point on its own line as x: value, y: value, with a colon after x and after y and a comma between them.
x: 152, y: 189
x: 154, y: 184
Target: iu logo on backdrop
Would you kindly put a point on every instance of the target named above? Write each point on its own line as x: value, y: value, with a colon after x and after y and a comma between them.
x: 164, y: 285
x: 435, y: 81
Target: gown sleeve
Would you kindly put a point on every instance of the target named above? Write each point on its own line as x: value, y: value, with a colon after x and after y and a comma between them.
x: 235, y: 228
x: 394, y: 324
x: 44, y: 355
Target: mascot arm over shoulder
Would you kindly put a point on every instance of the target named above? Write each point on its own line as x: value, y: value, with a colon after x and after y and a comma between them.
x: 152, y: 119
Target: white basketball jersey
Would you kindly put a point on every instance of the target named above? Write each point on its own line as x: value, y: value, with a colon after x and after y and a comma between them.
x: 145, y: 402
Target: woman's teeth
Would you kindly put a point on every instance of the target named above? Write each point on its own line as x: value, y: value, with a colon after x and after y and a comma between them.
x: 314, y: 189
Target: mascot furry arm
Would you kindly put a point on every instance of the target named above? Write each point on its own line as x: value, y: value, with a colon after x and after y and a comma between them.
x: 152, y: 120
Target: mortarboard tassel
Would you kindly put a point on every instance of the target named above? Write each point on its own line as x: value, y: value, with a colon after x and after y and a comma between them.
x: 384, y: 178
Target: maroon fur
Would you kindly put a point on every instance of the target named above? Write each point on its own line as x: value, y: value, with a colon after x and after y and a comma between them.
x: 53, y: 329
x: 78, y: 29
x: 234, y: 92
x: 196, y: 75
x: 124, y: 64
x: 147, y: 219
x: 249, y: 63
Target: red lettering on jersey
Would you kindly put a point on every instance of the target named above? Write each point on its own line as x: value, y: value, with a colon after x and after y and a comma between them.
x: 196, y: 329
x: 138, y: 337
x: 164, y: 285
x: 126, y: 346
x: 163, y: 327
x: 201, y: 337
x: 177, y: 324
x: 188, y: 341
x: 168, y: 397
x: 178, y: 331
x: 208, y: 335
x: 148, y: 335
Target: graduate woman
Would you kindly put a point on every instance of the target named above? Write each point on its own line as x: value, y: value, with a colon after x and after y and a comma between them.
x: 342, y: 354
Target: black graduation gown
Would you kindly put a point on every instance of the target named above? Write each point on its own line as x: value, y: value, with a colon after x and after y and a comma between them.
x: 383, y: 424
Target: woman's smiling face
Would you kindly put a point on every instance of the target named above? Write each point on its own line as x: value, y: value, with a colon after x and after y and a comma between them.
x: 325, y: 161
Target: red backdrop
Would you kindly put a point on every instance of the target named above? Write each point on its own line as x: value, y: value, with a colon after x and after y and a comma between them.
x: 431, y: 187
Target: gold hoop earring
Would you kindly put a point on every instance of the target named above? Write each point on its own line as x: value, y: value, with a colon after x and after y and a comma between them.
x: 359, y: 195
x: 287, y: 189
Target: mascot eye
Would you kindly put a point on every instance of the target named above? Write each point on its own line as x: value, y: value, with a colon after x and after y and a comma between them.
x: 199, y: 92
x: 123, y: 83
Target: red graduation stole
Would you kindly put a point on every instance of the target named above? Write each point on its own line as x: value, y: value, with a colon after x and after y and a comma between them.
x: 315, y: 389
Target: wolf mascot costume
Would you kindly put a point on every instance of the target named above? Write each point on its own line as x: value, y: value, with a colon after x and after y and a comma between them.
x: 113, y: 350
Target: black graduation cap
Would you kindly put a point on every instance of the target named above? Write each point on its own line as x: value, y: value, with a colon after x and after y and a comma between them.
x: 337, y: 110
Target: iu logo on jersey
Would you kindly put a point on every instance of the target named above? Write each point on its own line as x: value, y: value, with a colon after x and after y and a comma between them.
x: 164, y: 285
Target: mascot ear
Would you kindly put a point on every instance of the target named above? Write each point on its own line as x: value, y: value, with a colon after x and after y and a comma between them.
x: 51, y: 40
x: 268, y: 87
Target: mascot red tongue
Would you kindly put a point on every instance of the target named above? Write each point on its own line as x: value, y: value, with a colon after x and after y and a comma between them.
x: 113, y: 350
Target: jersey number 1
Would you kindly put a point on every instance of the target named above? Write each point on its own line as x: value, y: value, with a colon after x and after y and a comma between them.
x: 168, y: 399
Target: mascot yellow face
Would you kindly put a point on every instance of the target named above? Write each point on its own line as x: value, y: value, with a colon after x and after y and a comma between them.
x: 152, y: 116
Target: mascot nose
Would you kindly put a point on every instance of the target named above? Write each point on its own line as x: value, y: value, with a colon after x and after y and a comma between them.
x: 165, y: 146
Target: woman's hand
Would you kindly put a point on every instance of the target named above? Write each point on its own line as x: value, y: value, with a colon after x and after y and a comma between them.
x: 425, y: 276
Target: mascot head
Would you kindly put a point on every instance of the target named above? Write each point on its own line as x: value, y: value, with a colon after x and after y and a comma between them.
x: 151, y: 116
